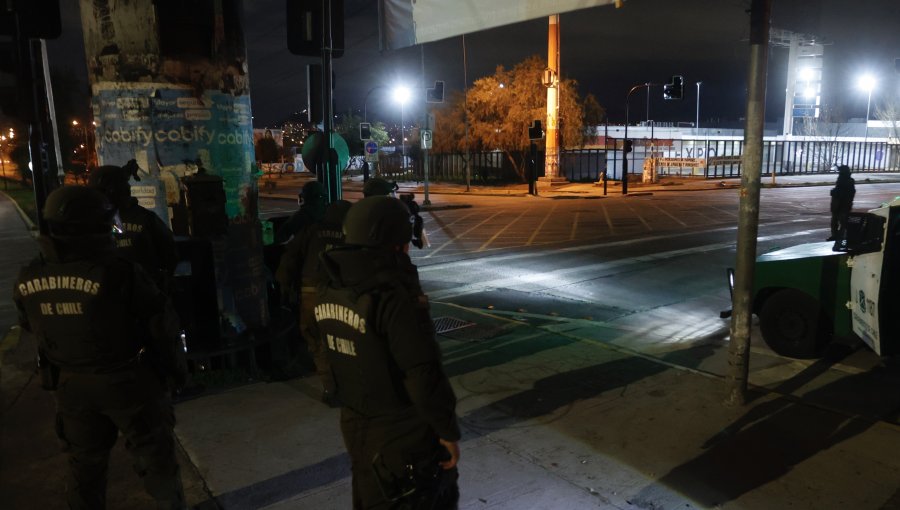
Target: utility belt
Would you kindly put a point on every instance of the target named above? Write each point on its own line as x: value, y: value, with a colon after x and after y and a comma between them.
x: 422, y: 485
x: 50, y: 372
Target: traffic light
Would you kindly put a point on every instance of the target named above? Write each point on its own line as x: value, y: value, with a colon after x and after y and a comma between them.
x: 304, y: 27
x: 626, y: 146
x: 365, y: 131
x: 675, y: 89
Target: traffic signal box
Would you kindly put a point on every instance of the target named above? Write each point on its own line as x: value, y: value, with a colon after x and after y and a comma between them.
x: 365, y: 131
x: 675, y: 89
x: 305, y: 23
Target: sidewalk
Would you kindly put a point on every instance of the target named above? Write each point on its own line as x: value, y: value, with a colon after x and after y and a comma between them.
x: 287, y: 186
x: 556, y: 415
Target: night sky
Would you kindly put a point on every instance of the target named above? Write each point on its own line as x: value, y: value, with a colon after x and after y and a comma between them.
x: 606, y: 50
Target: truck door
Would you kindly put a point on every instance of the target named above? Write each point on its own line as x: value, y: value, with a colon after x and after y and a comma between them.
x: 864, y: 240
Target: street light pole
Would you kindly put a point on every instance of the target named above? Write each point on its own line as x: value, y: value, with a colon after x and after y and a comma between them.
x: 625, y: 142
x: 697, y: 121
x: 867, y: 82
x: 868, y: 104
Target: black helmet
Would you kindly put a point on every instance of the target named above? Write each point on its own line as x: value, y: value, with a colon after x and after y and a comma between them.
x: 378, y: 186
x: 378, y: 221
x: 112, y: 181
x: 77, y: 211
x: 312, y: 191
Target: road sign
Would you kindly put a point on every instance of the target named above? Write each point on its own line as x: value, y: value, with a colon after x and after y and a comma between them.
x: 371, y: 147
x: 426, y: 138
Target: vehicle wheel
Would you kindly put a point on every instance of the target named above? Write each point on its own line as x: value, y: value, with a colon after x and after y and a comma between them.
x: 793, y: 324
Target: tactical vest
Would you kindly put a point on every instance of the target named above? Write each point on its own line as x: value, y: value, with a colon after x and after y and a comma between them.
x: 79, y: 313
x: 135, y: 243
x: 321, y: 238
x: 367, y: 379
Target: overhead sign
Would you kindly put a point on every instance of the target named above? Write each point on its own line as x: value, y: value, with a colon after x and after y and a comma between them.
x: 406, y: 23
x: 426, y: 138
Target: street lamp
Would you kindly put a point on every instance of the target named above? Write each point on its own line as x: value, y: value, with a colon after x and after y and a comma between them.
x: 867, y: 83
x: 401, y: 95
x: 697, y: 121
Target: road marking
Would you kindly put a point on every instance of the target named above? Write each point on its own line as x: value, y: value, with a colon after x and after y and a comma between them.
x: 667, y: 213
x: 442, y: 226
x: 640, y: 217
x: 454, y: 238
x: 440, y: 266
x: 502, y: 230
x: 538, y: 229
x: 574, y: 226
x: 557, y: 277
x: 608, y: 219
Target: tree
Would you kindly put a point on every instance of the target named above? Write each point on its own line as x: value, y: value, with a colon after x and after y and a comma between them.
x: 501, y: 107
x: 267, y: 150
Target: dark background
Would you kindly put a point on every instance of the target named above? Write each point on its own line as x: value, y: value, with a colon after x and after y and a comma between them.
x: 606, y: 50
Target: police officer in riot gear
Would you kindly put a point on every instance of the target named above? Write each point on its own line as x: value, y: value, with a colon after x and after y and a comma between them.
x: 398, y: 417
x: 378, y: 186
x: 313, y: 200
x: 145, y: 238
x: 299, y: 274
x: 109, y: 346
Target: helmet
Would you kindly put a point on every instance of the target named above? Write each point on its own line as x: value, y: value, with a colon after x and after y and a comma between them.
x: 77, y: 211
x: 336, y: 212
x: 312, y: 191
x: 112, y: 181
x: 378, y: 186
x: 378, y: 221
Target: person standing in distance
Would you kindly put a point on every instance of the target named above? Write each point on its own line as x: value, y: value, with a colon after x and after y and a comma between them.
x: 108, y: 344
x: 398, y: 418
x: 145, y: 238
x: 841, y: 201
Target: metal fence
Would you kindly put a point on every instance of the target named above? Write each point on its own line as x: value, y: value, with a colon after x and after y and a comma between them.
x: 708, y: 158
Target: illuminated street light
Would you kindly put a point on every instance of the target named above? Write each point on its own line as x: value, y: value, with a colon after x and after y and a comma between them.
x: 806, y: 74
x: 402, y: 95
x: 867, y: 83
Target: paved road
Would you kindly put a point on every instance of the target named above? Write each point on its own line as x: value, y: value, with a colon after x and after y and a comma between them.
x: 650, y: 269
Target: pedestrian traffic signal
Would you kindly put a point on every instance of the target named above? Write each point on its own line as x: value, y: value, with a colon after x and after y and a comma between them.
x: 365, y: 131
x: 675, y: 89
x: 626, y: 146
x: 536, y: 131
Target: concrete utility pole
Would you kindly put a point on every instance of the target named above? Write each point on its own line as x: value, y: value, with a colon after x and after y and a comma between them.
x: 170, y: 89
x: 552, y: 82
x: 748, y: 220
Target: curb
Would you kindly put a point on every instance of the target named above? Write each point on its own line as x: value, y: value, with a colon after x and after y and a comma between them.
x: 28, y: 223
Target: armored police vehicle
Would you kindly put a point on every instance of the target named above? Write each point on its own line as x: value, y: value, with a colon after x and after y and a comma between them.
x: 807, y: 295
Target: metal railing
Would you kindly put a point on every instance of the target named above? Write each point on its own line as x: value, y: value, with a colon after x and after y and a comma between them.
x: 706, y: 158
